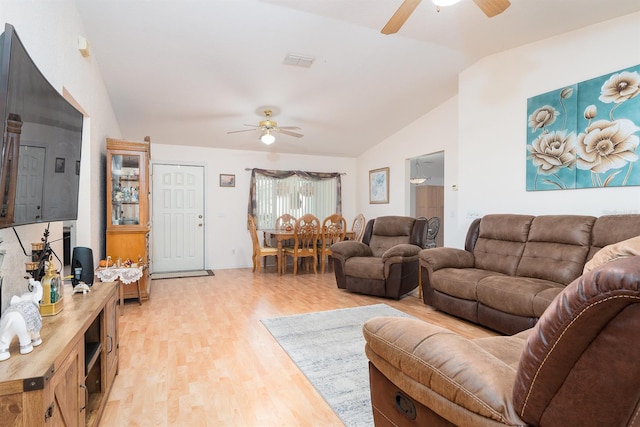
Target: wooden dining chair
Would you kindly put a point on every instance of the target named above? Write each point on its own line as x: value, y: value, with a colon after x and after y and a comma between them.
x: 305, y: 242
x: 358, y: 227
x: 283, y: 222
x: 334, y: 228
x: 259, y: 251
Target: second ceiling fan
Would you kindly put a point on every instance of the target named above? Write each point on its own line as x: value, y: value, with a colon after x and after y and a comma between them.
x: 491, y: 8
x: 268, y: 127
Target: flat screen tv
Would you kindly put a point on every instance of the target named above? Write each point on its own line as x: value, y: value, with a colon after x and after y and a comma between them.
x: 41, y: 142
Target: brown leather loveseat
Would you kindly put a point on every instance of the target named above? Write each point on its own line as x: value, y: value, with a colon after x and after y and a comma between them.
x: 577, y: 367
x: 513, y: 266
x: 385, y: 263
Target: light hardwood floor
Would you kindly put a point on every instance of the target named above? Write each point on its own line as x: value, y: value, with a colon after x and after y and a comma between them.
x: 196, y: 353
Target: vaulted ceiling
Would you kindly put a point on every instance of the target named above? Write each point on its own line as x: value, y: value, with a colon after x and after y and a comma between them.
x: 189, y: 71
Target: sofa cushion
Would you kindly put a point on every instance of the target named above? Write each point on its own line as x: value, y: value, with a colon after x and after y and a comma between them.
x: 501, y: 242
x: 629, y: 247
x: 543, y: 299
x: 557, y: 248
x: 513, y: 295
x: 507, y: 349
x: 380, y: 244
x: 610, y: 229
x: 365, y: 267
x: 389, y: 231
x: 459, y: 282
x: 393, y: 226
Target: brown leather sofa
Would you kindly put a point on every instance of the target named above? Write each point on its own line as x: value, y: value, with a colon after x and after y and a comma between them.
x: 385, y: 263
x: 577, y: 367
x: 513, y: 266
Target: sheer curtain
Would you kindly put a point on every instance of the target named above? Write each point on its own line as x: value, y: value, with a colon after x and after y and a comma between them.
x: 273, y: 193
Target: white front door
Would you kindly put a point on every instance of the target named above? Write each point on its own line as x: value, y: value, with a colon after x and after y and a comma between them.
x: 177, y: 218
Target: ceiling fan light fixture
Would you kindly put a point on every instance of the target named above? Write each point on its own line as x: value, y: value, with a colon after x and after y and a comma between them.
x: 267, y: 138
x: 417, y: 181
x: 444, y: 2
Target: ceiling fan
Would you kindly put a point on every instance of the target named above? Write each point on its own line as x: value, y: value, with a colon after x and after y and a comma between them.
x: 491, y: 8
x: 268, y: 127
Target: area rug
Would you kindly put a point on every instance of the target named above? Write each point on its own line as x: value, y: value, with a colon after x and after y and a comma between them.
x: 328, y: 347
x: 181, y: 274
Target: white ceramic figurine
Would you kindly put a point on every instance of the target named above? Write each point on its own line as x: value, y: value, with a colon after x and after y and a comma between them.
x: 22, y: 318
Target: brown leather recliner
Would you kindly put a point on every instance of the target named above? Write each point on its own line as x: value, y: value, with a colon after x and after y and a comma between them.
x: 577, y: 367
x: 386, y: 262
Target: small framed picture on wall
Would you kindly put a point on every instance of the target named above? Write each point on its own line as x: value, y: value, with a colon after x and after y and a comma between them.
x: 227, y: 180
x: 379, y: 185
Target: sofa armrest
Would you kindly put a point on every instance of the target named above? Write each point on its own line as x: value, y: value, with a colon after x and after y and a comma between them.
x: 401, y: 252
x: 349, y: 248
x: 444, y: 371
x: 437, y: 258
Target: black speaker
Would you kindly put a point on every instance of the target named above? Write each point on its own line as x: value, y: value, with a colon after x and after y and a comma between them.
x: 82, y: 266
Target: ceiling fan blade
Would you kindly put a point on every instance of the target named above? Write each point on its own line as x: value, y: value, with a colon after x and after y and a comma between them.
x: 290, y: 127
x: 244, y: 130
x: 492, y: 8
x: 402, y: 14
x: 287, y: 132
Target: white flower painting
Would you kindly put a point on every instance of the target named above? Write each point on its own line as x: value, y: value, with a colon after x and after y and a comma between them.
x: 585, y: 135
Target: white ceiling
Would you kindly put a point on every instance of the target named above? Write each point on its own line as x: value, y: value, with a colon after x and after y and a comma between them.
x: 188, y: 71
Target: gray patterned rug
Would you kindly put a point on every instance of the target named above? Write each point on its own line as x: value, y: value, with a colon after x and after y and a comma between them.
x: 328, y: 347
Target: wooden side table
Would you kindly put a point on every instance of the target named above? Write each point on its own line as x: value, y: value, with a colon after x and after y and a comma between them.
x: 125, y: 275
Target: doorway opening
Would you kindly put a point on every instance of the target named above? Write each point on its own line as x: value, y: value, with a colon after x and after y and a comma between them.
x: 426, y: 182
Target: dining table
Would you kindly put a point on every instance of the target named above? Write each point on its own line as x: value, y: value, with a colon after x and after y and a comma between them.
x: 280, y: 235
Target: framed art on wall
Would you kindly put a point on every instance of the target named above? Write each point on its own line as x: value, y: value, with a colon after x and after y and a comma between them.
x: 227, y: 180
x: 379, y: 185
x: 585, y: 135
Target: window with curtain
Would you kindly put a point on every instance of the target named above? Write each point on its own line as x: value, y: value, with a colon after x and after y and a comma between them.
x: 297, y: 193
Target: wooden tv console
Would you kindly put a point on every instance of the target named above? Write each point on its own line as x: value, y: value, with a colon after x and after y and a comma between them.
x: 66, y: 380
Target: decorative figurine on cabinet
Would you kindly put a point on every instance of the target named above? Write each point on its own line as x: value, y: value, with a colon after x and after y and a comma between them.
x: 22, y: 318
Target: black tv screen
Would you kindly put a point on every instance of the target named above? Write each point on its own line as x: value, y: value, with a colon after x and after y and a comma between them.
x: 41, y: 142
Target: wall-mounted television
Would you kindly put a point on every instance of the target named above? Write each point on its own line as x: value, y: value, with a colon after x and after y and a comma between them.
x: 41, y: 142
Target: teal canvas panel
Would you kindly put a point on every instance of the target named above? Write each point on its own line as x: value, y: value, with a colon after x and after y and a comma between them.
x: 585, y: 135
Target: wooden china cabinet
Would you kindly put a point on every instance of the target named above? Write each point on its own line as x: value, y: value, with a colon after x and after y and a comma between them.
x: 128, y: 221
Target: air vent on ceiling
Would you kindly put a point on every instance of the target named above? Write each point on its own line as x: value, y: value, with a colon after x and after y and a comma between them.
x: 298, y: 60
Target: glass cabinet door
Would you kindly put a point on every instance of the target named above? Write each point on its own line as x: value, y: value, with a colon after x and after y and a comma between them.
x: 125, y: 189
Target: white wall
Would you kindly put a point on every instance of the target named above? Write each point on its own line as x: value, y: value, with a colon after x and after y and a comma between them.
x: 227, y: 241
x: 49, y: 31
x: 484, y: 133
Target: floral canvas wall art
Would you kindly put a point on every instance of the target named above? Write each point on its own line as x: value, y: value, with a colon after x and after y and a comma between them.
x: 585, y: 135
